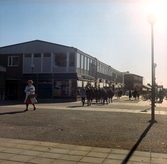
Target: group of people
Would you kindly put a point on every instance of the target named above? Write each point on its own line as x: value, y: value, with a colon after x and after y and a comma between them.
x: 134, y: 94
x: 101, y: 95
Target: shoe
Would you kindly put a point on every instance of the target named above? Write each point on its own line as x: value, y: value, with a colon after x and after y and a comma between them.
x: 34, y: 108
x: 25, y: 110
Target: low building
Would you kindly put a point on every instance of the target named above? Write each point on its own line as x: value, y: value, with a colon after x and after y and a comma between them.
x: 2, y: 83
x: 58, y: 71
x: 132, y: 82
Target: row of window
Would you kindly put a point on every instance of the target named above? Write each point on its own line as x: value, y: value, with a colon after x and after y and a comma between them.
x: 87, y: 63
x: 137, y: 78
x: 60, y: 60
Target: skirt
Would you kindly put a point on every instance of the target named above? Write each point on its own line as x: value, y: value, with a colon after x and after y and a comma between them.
x: 28, y: 101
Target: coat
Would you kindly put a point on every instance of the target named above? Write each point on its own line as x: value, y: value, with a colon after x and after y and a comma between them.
x: 29, y: 90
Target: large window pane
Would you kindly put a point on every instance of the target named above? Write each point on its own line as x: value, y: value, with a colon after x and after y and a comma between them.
x: 37, y: 55
x: 72, y: 59
x: 85, y: 63
x: 27, y: 55
x: 78, y: 60
x: 60, y: 60
x: 82, y: 62
x: 88, y: 63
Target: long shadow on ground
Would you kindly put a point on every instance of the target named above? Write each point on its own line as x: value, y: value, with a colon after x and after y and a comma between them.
x: 137, y: 143
x: 15, y: 112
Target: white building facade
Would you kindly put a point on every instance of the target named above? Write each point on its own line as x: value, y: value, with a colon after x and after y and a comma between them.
x: 58, y: 71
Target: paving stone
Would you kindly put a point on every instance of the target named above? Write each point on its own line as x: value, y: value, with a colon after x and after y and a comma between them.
x: 41, y: 160
x: 92, y: 160
x: 71, y: 157
x: 21, y: 158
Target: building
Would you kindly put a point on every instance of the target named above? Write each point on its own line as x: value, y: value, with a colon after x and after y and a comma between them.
x: 58, y: 71
x: 132, y: 82
x: 2, y: 83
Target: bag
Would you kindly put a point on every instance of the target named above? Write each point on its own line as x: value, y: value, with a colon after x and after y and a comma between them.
x: 32, y: 96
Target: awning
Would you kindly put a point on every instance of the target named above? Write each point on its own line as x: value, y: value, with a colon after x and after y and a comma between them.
x: 2, y: 69
x: 147, y: 86
x: 85, y: 78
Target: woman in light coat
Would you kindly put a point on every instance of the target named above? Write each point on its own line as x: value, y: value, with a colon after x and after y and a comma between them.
x: 30, y: 90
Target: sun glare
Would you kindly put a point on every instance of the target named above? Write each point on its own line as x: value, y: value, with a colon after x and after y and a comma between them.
x: 159, y: 8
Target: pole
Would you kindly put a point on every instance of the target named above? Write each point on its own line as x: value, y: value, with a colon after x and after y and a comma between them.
x: 153, y: 77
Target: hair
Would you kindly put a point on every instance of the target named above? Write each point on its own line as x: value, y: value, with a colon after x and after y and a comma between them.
x: 30, y: 81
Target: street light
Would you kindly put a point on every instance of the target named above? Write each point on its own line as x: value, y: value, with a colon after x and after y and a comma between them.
x: 32, y: 67
x: 152, y: 19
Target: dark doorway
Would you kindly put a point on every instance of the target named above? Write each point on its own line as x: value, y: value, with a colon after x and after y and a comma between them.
x: 12, y: 90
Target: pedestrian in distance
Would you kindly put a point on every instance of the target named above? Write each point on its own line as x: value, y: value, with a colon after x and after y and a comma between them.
x: 88, y: 96
x: 83, y: 96
x: 105, y: 97
x: 30, y: 97
x: 110, y: 95
x: 96, y: 95
x: 130, y: 94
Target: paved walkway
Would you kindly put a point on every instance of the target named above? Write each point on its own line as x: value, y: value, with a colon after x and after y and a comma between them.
x: 160, y: 109
x: 14, y: 151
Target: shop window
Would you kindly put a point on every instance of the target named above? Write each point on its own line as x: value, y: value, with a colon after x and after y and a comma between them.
x: 72, y: 59
x: 60, y: 60
x: 13, y: 61
x: 61, y: 88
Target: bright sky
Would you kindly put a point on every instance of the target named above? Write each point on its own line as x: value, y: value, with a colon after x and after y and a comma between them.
x: 114, y: 31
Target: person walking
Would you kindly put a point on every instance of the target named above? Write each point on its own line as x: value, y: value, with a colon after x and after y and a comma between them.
x: 88, y: 96
x: 30, y: 97
x: 105, y: 97
x: 130, y: 94
x: 110, y: 95
x: 83, y: 96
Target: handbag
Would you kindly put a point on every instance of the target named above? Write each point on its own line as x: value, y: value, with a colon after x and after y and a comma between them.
x: 32, y: 96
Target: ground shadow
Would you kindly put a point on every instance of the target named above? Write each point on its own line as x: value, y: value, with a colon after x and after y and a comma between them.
x: 132, y: 100
x: 137, y: 143
x: 97, y: 104
x: 75, y: 106
x: 145, y: 110
x: 15, y: 112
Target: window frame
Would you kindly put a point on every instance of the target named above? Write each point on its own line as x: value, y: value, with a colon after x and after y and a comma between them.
x: 60, y: 61
x: 11, y: 60
x: 72, y: 62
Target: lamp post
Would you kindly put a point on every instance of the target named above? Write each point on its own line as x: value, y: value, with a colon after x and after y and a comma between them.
x: 32, y: 67
x: 152, y: 19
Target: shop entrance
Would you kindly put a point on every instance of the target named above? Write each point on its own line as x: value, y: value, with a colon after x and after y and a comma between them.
x: 12, y: 90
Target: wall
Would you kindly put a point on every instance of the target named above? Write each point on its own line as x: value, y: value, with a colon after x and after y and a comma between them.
x: 2, y: 86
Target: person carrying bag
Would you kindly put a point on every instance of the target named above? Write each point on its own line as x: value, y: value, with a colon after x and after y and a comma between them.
x: 30, y: 97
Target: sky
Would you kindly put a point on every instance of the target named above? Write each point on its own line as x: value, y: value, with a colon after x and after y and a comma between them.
x: 116, y: 32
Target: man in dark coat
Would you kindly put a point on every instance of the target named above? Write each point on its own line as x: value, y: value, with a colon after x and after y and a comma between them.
x: 110, y: 95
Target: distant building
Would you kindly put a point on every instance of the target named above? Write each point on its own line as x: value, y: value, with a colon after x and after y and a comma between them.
x: 132, y: 81
x: 58, y: 71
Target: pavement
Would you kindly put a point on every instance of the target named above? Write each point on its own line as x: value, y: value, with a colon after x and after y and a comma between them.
x: 18, y: 151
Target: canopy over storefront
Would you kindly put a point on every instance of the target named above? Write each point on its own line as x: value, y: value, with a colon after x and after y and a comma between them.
x: 2, y: 69
x: 146, y: 88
